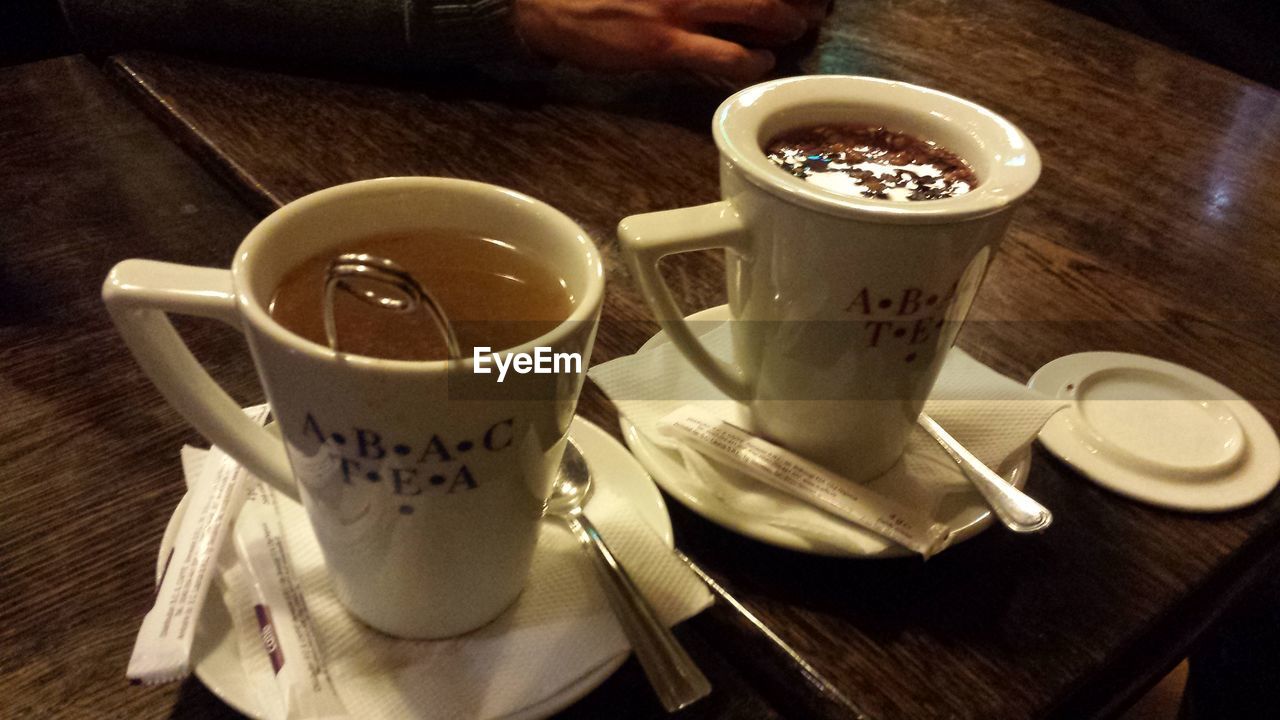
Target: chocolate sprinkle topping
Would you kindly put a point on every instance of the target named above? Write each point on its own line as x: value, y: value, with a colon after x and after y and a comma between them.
x: 871, y: 162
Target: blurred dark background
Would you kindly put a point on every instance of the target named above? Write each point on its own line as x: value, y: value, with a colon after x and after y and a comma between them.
x: 32, y: 30
x: 1240, y: 35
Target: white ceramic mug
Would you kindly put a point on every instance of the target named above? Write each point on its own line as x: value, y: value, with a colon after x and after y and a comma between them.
x: 424, y: 481
x: 842, y: 307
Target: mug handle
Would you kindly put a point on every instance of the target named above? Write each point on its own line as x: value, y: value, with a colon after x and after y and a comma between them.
x: 648, y: 238
x: 138, y: 295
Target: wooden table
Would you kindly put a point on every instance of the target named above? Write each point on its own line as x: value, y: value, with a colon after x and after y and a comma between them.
x: 1153, y: 230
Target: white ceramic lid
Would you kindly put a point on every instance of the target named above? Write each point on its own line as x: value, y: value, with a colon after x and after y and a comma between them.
x: 1158, y: 432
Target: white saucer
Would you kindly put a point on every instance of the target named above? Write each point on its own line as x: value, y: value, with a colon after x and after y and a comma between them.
x: 967, y: 515
x: 1158, y: 432
x: 217, y: 656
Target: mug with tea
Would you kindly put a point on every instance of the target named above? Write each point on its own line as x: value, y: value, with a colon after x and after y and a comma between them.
x: 858, y: 218
x: 424, y: 480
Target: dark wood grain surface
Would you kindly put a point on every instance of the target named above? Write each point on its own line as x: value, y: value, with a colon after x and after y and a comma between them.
x: 89, y: 469
x: 1154, y: 230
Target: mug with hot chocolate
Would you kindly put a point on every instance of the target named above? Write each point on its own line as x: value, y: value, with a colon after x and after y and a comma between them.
x: 858, y: 218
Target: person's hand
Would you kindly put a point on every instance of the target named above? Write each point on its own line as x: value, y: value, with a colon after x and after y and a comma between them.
x: 625, y: 35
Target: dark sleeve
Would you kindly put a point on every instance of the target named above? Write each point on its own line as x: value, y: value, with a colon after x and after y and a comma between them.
x: 373, y: 33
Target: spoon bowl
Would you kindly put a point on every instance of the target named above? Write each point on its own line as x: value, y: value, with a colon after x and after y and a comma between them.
x: 573, y: 485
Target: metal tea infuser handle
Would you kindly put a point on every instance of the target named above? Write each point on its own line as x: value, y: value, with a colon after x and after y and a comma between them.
x: 412, y: 295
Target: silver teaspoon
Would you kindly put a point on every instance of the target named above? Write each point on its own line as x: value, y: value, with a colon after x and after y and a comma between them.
x: 1018, y: 511
x: 672, y: 673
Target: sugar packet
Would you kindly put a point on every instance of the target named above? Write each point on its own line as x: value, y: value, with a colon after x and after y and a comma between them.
x: 162, y: 650
x: 782, y: 469
x: 299, y: 686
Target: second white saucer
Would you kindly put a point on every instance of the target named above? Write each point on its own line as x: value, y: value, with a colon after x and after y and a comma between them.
x: 964, y: 512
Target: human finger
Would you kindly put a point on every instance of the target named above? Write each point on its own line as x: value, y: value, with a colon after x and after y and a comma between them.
x: 773, y: 17
x: 815, y: 11
x: 713, y: 56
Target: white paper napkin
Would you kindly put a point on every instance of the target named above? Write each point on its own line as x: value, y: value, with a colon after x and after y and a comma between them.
x: 559, y: 630
x: 990, y: 414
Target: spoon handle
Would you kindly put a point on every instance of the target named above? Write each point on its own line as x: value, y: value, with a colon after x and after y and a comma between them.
x: 1018, y: 511
x: 672, y: 673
